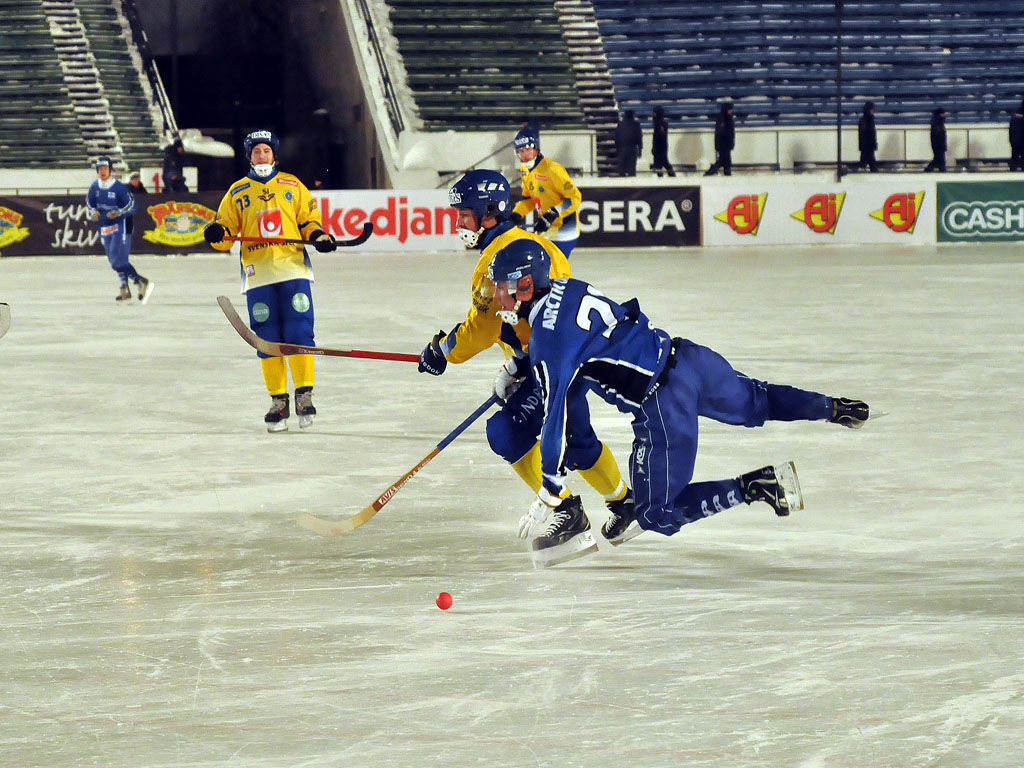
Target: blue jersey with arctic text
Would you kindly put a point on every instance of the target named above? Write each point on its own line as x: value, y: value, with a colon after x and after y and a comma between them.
x: 580, y: 338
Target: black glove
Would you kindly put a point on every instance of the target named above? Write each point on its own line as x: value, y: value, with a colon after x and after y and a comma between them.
x: 214, y: 233
x: 517, y: 219
x: 322, y: 241
x: 432, y: 359
x: 545, y: 221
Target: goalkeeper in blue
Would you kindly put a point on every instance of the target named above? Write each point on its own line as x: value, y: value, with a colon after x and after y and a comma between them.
x: 582, y: 341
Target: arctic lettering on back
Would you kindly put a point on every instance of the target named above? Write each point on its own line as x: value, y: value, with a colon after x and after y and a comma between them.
x: 552, y: 305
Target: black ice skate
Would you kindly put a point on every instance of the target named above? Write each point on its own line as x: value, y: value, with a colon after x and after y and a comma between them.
x: 621, y: 525
x: 304, y: 406
x: 565, y: 537
x: 124, y: 295
x: 778, y: 486
x: 144, y: 287
x: 277, y: 416
x: 849, y: 413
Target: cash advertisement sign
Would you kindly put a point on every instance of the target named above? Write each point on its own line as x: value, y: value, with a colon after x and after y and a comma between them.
x: 980, y: 211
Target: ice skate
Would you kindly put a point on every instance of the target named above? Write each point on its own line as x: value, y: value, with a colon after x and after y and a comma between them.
x: 144, y: 287
x: 565, y: 537
x: 125, y: 295
x: 304, y: 406
x: 621, y: 525
x: 277, y: 416
x: 850, y: 413
x: 778, y: 486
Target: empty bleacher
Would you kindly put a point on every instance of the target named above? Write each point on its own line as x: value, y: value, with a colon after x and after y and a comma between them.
x: 486, y: 66
x: 38, y: 128
x: 777, y: 61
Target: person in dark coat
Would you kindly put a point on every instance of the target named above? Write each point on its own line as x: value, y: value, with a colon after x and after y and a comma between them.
x: 629, y: 142
x: 938, y: 162
x: 135, y: 185
x: 659, y: 144
x: 867, y: 138
x: 1017, y: 139
x: 725, y: 141
x: 173, y: 176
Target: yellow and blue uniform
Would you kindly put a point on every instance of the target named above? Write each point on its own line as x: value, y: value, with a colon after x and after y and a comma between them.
x: 275, y: 277
x: 548, y: 189
x: 513, y: 431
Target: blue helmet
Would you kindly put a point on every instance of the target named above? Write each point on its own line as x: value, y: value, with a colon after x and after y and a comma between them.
x: 527, y: 137
x: 104, y: 162
x: 262, y: 136
x: 524, y: 262
x: 484, y: 192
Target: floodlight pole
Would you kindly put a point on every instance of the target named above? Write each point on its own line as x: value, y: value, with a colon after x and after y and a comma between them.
x: 839, y: 90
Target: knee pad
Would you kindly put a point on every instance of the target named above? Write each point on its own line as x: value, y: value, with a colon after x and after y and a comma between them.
x: 508, y: 438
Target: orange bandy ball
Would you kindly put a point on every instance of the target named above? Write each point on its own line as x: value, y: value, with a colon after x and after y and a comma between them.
x: 444, y: 601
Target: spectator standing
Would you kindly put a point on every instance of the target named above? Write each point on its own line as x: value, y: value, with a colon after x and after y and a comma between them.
x: 725, y: 141
x: 173, y: 175
x: 659, y: 144
x: 1017, y: 139
x: 867, y: 138
x: 629, y: 143
x: 938, y: 134
x: 135, y: 185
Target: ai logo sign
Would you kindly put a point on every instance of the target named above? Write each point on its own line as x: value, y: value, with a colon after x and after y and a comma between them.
x: 899, y: 211
x: 744, y: 213
x: 821, y: 212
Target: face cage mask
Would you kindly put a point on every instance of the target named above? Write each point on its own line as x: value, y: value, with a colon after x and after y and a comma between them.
x: 529, y: 165
x: 263, y: 169
x: 469, y: 237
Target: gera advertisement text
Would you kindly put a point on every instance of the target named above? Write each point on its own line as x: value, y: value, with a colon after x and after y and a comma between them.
x: 639, y: 217
x: 981, y: 211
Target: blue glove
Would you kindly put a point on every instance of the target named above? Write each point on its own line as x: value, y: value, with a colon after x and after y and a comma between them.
x: 544, y: 222
x: 432, y: 359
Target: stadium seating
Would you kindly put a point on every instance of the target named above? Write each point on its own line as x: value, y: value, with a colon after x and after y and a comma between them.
x: 486, y: 66
x: 777, y: 60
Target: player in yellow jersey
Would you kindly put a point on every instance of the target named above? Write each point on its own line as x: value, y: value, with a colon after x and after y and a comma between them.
x: 548, y: 191
x: 276, y: 278
x: 482, y: 200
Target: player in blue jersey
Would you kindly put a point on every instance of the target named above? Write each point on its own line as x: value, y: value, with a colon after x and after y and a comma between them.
x: 581, y: 341
x: 481, y: 198
x: 111, y: 205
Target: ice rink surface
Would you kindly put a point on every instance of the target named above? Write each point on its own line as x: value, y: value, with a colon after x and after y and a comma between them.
x: 161, y: 608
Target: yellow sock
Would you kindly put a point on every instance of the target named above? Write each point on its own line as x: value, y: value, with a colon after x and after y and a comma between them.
x: 302, y: 370
x: 275, y: 375
x: 528, y: 468
x: 605, y: 477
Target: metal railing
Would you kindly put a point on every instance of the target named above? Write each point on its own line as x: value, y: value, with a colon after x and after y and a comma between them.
x: 390, y: 98
x: 163, y: 103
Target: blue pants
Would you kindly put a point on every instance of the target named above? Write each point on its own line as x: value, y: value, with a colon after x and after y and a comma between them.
x: 514, y: 430
x: 282, y: 312
x: 700, y: 383
x: 118, y: 247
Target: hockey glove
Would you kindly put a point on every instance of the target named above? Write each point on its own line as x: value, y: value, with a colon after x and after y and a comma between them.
x: 544, y: 222
x: 510, y: 377
x: 214, y: 233
x: 517, y: 219
x: 94, y: 216
x: 322, y: 241
x: 432, y: 359
x: 542, y: 506
x: 113, y: 214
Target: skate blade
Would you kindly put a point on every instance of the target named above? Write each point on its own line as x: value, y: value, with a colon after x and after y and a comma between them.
x: 786, y: 473
x: 305, y: 421
x: 281, y: 426
x: 578, y: 546
x: 631, y: 532
x: 147, y: 293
